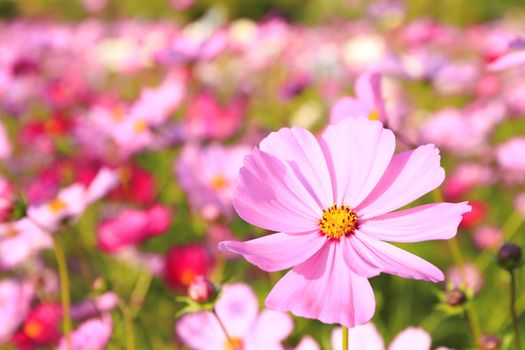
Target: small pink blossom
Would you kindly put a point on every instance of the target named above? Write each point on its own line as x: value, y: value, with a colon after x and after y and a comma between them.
x: 93, y: 334
x: 5, y: 143
x: 519, y: 203
x: 488, y: 237
x: 15, y: 300
x: 238, y: 310
x: 19, y: 240
x: 368, y: 102
x: 466, y: 277
x: 509, y: 156
x: 332, y: 202
x: 209, y: 175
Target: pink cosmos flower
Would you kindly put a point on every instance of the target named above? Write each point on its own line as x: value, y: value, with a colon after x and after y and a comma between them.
x: 237, y: 308
x: 209, y: 175
x: 93, y: 334
x: 72, y: 201
x: 509, y: 156
x: 514, y: 58
x: 466, y: 277
x: 95, y: 306
x: 331, y: 200
x: 132, y: 227
x: 7, y: 197
x: 519, y: 203
x: 488, y: 237
x: 366, y: 337
x: 19, y: 240
x: 307, y: 343
x: 368, y: 102
x: 5, y: 144
x: 465, y: 177
x: 15, y: 300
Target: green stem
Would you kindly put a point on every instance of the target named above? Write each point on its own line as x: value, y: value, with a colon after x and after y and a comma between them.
x: 226, y: 334
x: 513, y: 308
x: 511, y: 226
x: 64, y: 291
x: 128, y: 324
x: 470, y: 312
x: 140, y: 291
x: 345, y: 338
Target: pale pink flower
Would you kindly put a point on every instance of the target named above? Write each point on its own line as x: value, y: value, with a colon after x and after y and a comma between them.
x: 488, y: 237
x: 331, y: 200
x: 519, y: 203
x: 366, y: 337
x: 92, y: 307
x: 7, y: 197
x: 19, y: 240
x: 238, y: 310
x: 307, y: 343
x: 94, y: 6
x: 71, y: 201
x: 5, y: 143
x: 209, y: 176
x: 465, y: 177
x: 466, y: 277
x: 15, y: 301
x: 509, y: 155
x: 368, y: 102
x: 93, y: 334
x: 514, y: 58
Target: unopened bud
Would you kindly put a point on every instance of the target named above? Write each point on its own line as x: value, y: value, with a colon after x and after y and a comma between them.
x: 509, y: 256
x: 489, y: 342
x: 201, y: 290
x: 455, y: 297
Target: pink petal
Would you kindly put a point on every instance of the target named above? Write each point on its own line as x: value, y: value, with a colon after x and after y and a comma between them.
x: 422, y: 223
x: 409, y: 176
x: 411, y: 338
x: 307, y: 343
x: 324, y: 288
x: 93, y: 334
x: 299, y: 150
x: 348, y: 107
x: 362, y: 337
x: 394, y: 260
x: 510, y: 60
x: 105, y: 181
x: 277, y: 251
x: 368, y: 88
x: 237, y: 308
x: 358, y: 151
x: 271, y: 195
x: 200, y: 331
x: 269, y: 331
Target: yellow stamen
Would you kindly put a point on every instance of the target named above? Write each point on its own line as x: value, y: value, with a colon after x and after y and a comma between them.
x: 33, y: 329
x: 57, y: 205
x: 219, y: 182
x: 374, y: 115
x: 11, y: 232
x: 140, y: 126
x: 338, y: 221
x: 233, y: 343
x: 187, y: 277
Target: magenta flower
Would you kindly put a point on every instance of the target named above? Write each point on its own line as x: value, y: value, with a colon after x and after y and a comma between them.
x: 331, y: 201
x: 237, y: 308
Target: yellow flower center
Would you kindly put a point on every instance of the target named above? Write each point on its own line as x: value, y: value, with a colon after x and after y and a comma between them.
x: 139, y: 126
x: 219, y: 182
x: 338, y: 221
x: 33, y: 329
x: 57, y: 205
x: 374, y: 115
x: 233, y: 343
x: 11, y: 232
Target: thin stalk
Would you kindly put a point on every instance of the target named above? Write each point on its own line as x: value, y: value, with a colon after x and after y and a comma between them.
x: 511, y: 226
x: 64, y: 292
x: 128, y: 324
x: 470, y: 312
x: 226, y: 334
x: 513, y: 308
x: 345, y: 338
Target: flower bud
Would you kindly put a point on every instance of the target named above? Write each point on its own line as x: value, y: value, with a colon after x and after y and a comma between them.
x: 455, y: 297
x: 201, y: 290
x: 489, y: 342
x: 509, y: 256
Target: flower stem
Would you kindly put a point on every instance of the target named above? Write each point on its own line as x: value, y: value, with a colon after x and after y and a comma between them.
x: 511, y: 226
x: 345, y: 338
x: 128, y: 324
x: 513, y: 308
x: 64, y: 291
x: 226, y: 334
